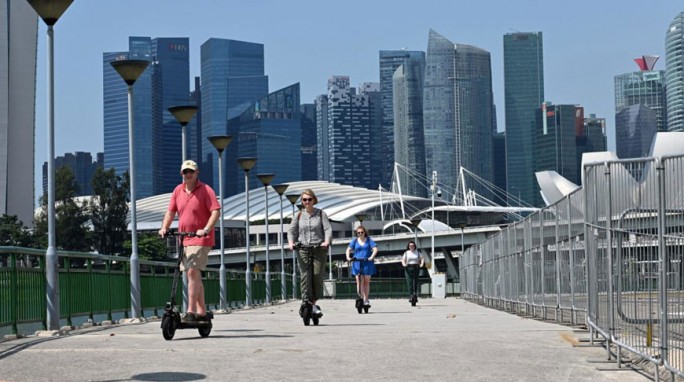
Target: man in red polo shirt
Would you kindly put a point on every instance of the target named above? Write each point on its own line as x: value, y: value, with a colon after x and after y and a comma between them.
x: 198, y: 211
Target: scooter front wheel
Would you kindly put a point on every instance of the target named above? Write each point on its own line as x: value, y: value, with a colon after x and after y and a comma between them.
x: 204, y: 331
x: 168, y: 327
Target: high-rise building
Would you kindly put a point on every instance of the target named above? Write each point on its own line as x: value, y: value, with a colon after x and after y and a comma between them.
x: 309, y: 139
x: 270, y: 130
x: 390, y: 60
x: 646, y: 87
x: 345, y: 134
x: 409, y: 138
x: 157, y: 134
x: 674, y: 73
x: 232, y: 80
x: 524, y: 94
x: 322, y: 139
x: 555, y: 149
x: 82, y: 167
x: 592, y: 138
x: 458, y: 112
x: 19, y: 44
x: 500, y: 168
x: 372, y: 91
x: 637, y: 129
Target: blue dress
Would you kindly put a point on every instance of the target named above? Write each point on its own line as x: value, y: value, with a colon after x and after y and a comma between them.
x: 362, y: 251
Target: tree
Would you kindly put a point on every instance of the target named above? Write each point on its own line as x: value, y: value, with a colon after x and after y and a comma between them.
x: 71, y: 228
x: 150, y: 247
x: 108, y: 211
x: 13, y: 232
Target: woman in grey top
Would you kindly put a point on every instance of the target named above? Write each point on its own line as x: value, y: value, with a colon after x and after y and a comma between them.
x: 312, y: 229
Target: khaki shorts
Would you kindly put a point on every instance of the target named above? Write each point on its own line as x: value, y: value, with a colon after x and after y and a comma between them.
x: 195, y: 257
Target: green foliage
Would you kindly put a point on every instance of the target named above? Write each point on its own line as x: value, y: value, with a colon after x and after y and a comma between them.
x: 71, y: 228
x: 109, y: 210
x: 150, y: 247
x: 13, y: 232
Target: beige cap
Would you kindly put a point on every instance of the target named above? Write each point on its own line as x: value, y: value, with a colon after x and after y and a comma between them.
x: 189, y: 164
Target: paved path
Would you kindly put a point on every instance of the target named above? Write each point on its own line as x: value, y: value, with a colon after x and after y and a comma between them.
x: 439, y: 340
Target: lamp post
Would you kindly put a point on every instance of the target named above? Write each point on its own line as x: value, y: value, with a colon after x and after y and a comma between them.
x: 220, y: 142
x: 266, y: 180
x: 246, y: 164
x: 280, y: 189
x: 130, y: 70
x: 293, y: 200
x: 433, y: 188
x: 50, y: 12
x: 183, y: 115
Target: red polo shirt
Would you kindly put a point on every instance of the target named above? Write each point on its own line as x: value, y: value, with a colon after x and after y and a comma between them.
x: 194, y: 210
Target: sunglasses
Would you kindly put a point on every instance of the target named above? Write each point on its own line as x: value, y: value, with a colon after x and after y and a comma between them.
x: 307, y: 199
x: 360, y: 233
x: 188, y: 171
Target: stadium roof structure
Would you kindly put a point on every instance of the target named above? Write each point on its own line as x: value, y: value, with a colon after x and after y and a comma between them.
x: 342, y: 204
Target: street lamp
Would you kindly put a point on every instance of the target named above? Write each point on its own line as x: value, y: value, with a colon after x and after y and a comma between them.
x: 130, y: 70
x: 183, y: 115
x: 433, y: 188
x: 280, y: 189
x: 266, y: 180
x: 246, y: 164
x: 220, y: 142
x: 50, y: 12
x: 415, y: 222
x: 293, y: 200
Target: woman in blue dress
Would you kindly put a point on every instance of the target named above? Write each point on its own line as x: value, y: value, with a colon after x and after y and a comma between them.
x: 363, y: 248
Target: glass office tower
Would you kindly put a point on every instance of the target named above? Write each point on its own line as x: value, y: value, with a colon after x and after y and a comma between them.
x: 638, y: 126
x: 390, y: 60
x: 232, y: 80
x: 269, y: 130
x: 646, y: 87
x: 309, y: 142
x: 674, y: 72
x: 457, y: 113
x: 524, y: 94
x: 163, y: 84
x: 409, y: 137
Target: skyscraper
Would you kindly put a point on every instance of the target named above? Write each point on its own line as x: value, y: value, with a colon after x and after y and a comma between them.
x: 157, y: 134
x: 646, y: 87
x: 409, y: 138
x: 372, y: 91
x: 343, y: 119
x: 458, y: 112
x: 637, y: 129
x: 524, y: 94
x: 591, y: 139
x: 674, y: 73
x: 232, y: 80
x: 270, y: 130
x: 390, y: 60
x: 309, y: 139
x: 19, y: 44
x: 82, y: 167
x: 555, y: 149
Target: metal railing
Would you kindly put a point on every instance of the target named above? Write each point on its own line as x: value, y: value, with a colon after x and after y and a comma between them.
x: 609, y: 255
x: 92, y: 284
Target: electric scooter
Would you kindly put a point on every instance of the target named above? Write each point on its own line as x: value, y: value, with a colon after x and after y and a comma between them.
x: 306, y: 310
x: 359, y: 301
x: 414, y: 270
x: 171, y: 321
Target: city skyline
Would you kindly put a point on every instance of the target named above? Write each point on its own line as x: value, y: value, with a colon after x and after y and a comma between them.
x: 583, y: 52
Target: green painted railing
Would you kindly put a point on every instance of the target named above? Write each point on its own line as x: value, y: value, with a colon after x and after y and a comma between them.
x: 93, y: 284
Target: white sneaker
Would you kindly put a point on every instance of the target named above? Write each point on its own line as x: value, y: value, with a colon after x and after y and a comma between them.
x: 366, y: 303
x: 315, y: 309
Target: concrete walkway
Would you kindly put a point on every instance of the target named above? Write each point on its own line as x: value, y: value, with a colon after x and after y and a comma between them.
x: 439, y: 340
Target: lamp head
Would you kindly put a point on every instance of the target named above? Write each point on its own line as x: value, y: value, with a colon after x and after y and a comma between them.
x: 360, y: 217
x: 416, y: 222
x: 183, y: 114
x: 292, y: 198
x: 130, y: 70
x: 220, y: 142
x: 246, y: 163
x: 265, y: 178
x: 280, y: 188
x: 50, y: 10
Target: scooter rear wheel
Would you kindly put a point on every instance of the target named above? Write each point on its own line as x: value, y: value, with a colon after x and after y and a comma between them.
x: 315, y: 321
x: 204, y: 331
x: 168, y: 326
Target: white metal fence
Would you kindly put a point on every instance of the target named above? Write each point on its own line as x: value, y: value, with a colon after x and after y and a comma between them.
x: 608, y: 255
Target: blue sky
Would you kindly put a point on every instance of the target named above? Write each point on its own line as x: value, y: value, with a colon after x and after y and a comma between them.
x: 586, y: 43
